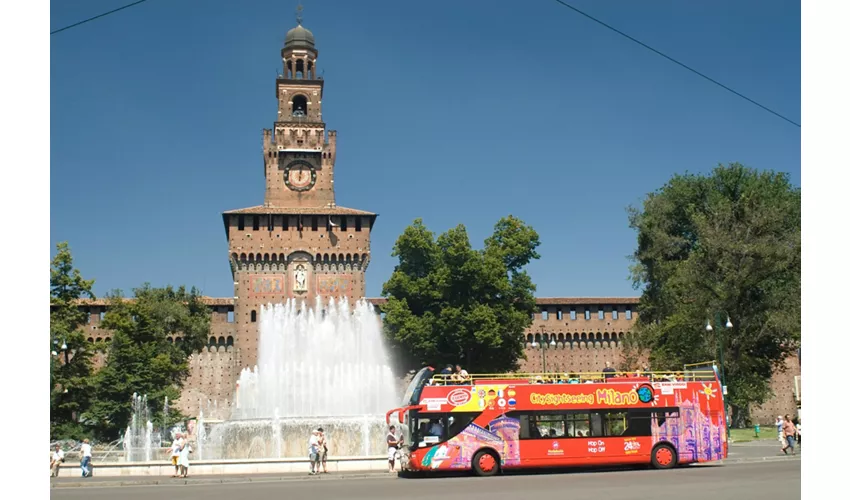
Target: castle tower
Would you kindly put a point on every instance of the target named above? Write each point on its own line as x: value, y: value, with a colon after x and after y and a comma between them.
x: 298, y: 244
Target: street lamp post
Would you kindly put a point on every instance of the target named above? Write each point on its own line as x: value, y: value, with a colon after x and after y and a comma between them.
x: 543, y: 346
x: 721, y: 349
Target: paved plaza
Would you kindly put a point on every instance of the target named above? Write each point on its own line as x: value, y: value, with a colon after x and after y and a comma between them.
x: 773, y: 480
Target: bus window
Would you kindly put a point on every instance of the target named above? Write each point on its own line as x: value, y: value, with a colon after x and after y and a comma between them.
x: 432, y: 428
x: 639, y: 422
x: 596, y: 424
x: 578, y: 424
x: 615, y: 423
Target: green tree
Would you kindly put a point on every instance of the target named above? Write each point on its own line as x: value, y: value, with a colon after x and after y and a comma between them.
x: 449, y: 303
x: 727, y: 244
x: 71, y: 355
x: 140, y: 358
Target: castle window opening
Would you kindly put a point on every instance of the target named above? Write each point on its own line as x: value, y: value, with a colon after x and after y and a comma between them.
x: 560, y: 314
x: 545, y: 315
x: 221, y: 341
x: 178, y: 340
x: 344, y: 223
x: 229, y: 340
x: 170, y: 340
x: 241, y: 222
x: 601, y: 313
x: 315, y: 223
x: 358, y: 224
x: 299, y: 106
x: 285, y: 223
x: 614, y: 313
x: 253, y: 316
x: 255, y: 223
x: 299, y: 69
x: 271, y: 222
x: 102, y: 315
x: 587, y: 314
x: 230, y: 316
x: 628, y: 313
x: 572, y: 314
x: 211, y: 343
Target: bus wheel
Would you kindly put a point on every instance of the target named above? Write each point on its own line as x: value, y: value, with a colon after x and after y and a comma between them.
x: 663, y: 457
x: 485, y: 463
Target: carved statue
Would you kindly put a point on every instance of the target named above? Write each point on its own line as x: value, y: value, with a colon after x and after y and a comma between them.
x: 300, y: 278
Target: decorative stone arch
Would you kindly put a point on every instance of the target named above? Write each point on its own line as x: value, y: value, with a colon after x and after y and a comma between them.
x: 229, y: 340
x: 274, y: 257
x: 91, y: 340
x: 211, y: 342
x: 243, y: 257
x: 561, y: 337
x: 606, y: 337
x: 356, y: 258
x: 529, y: 338
x: 537, y: 338
x: 281, y: 257
x: 347, y: 258
x: 221, y: 341
x: 234, y: 257
x: 250, y: 257
x: 170, y: 340
x: 267, y: 258
x: 583, y: 337
x: 178, y: 340
x: 364, y: 257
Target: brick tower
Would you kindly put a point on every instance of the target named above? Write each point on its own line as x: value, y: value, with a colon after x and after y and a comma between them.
x: 298, y: 244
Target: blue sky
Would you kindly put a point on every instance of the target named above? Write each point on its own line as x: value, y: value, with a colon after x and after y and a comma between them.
x: 456, y: 112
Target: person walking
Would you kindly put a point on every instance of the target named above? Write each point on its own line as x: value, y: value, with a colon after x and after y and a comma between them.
x: 323, y: 451
x: 778, y: 424
x: 56, y: 461
x: 85, y: 458
x: 393, y: 444
x: 790, y: 433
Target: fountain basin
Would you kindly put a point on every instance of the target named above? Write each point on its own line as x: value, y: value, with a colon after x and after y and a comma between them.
x: 228, y: 467
x: 287, y: 437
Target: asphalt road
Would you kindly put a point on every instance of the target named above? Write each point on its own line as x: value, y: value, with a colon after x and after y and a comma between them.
x: 769, y: 481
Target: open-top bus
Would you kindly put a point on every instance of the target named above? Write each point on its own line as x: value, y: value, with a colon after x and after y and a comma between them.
x: 489, y: 423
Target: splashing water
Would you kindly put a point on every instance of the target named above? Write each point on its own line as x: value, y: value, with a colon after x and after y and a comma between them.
x: 319, y: 367
x: 317, y: 362
x: 138, y: 438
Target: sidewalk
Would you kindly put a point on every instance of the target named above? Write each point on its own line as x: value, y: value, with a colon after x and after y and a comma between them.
x: 739, y: 453
x: 113, y: 481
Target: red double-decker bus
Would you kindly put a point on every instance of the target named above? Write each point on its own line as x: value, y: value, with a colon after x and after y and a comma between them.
x: 489, y: 423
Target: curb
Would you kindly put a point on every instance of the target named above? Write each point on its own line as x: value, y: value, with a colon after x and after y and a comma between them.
x: 212, y: 480
x: 760, y: 459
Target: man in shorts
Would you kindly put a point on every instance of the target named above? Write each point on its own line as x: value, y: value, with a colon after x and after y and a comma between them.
x: 313, y: 452
x: 393, y: 443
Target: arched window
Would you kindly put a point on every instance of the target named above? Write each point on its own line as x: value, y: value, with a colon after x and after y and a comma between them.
x: 253, y: 316
x: 229, y: 340
x: 212, y: 341
x: 299, y: 105
x: 170, y: 340
x: 221, y: 341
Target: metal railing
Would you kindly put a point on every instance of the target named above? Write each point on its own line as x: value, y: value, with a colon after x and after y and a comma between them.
x: 578, y: 377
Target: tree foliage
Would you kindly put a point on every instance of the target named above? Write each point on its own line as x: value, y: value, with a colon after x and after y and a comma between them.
x: 140, y: 359
x: 71, y: 355
x: 718, y: 246
x: 449, y: 303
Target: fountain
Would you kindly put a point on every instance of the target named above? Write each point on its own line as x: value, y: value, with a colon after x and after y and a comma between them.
x: 319, y: 367
x: 138, y: 438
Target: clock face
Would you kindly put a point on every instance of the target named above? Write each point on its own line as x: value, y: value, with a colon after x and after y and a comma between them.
x: 299, y: 175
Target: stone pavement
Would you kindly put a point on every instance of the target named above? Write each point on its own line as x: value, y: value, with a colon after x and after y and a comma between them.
x: 752, y: 481
x: 739, y: 453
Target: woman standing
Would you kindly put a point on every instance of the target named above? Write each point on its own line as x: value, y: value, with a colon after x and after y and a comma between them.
x: 184, y: 458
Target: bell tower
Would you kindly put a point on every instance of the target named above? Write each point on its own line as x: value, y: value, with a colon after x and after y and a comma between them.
x: 298, y: 244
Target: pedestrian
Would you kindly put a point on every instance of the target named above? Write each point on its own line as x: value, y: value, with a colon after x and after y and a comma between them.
x: 313, y: 452
x: 608, y: 371
x: 323, y: 451
x: 56, y: 460
x: 176, y: 446
x: 393, y: 443
x: 778, y: 425
x: 183, y: 461
x: 790, y: 433
x: 85, y: 458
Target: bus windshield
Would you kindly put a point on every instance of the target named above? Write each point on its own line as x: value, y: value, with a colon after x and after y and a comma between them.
x: 428, y: 429
x: 414, y: 389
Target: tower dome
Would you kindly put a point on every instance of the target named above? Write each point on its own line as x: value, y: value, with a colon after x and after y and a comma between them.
x: 299, y: 37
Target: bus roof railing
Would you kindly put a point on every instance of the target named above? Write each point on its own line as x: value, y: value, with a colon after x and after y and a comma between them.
x: 577, y: 377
